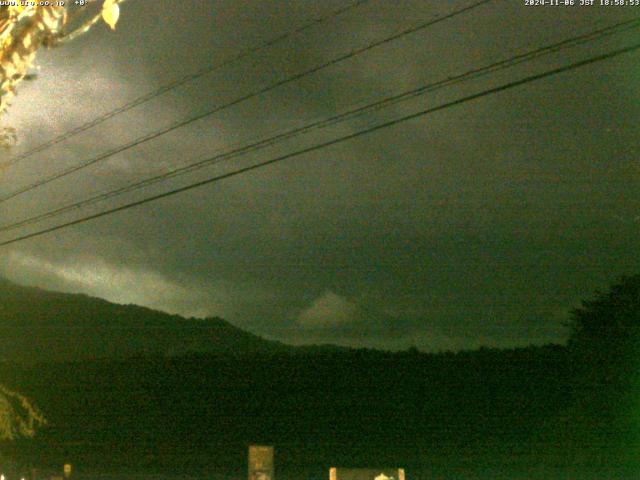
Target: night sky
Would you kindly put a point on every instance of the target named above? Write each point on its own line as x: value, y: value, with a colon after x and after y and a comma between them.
x: 482, y: 224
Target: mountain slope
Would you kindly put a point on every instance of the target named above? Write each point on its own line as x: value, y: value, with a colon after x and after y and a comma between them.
x: 39, y: 325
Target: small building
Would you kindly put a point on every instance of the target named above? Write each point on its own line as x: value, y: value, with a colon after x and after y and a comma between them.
x: 366, y: 473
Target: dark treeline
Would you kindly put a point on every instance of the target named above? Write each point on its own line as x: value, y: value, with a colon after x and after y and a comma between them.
x: 558, y: 407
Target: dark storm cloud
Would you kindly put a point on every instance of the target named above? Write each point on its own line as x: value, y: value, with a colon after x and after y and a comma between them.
x: 483, y: 224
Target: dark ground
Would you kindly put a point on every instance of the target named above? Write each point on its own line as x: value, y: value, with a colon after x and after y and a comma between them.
x: 512, y: 414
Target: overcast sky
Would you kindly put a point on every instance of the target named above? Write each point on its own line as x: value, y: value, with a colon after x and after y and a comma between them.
x: 482, y: 224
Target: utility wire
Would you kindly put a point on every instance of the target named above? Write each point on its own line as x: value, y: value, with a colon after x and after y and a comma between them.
x: 322, y: 145
x: 255, y: 93
x: 182, y: 81
x: 468, y: 75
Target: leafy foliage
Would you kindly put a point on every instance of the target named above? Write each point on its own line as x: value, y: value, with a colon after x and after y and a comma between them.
x: 18, y: 418
x: 26, y: 28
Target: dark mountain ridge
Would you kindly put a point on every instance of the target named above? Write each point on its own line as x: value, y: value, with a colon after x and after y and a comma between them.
x: 536, y: 412
x: 41, y: 326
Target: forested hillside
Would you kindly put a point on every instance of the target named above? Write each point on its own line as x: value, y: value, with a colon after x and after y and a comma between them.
x: 552, y: 409
x: 42, y: 326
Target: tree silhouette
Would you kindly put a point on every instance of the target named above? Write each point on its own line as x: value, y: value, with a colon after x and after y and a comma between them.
x: 605, y: 345
x: 606, y: 330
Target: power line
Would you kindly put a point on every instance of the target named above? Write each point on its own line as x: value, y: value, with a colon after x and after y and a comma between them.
x: 468, y: 75
x: 322, y: 145
x: 255, y: 93
x: 182, y: 81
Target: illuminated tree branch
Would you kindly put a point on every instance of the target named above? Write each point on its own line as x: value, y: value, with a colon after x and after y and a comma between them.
x: 18, y: 418
x: 24, y: 29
